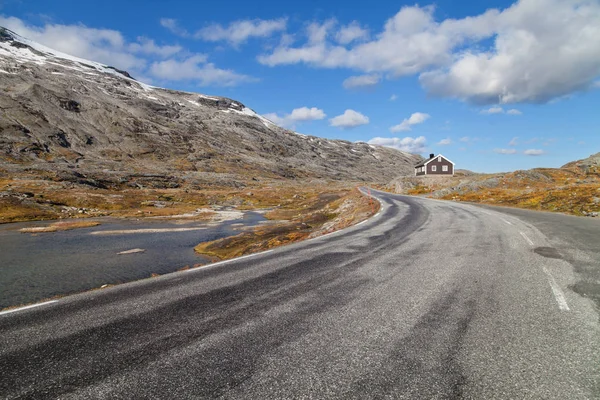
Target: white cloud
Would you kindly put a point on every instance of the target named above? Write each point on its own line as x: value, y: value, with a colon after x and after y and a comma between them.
x: 393, y: 97
x: 596, y: 85
x: 514, y: 111
x: 301, y: 114
x: 444, y: 142
x: 307, y: 114
x: 492, y: 110
x: 534, y: 152
x: 514, y: 141
x: 147, y: 46
x: 197, y: 69
x: 240, y: 31
x: 533, y: 57
x: 465, y: 139
x: 349, y: 33
x: 505, y: 151
x: 172, y: 25
x: 349, y: 119
x: 361, y: 81
x: 102, y: 45
x: 414, y: 119
x: 141, y: 58
x: 408, y: 144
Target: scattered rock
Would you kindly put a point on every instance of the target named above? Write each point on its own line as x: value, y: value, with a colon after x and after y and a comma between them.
x: 70, y: 105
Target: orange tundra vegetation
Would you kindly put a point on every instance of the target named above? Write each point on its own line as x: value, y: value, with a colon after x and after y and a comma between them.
x: 571, y: 190
x: 311, y: 215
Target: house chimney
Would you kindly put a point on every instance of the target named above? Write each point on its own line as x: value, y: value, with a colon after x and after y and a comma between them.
x: 431, y: 156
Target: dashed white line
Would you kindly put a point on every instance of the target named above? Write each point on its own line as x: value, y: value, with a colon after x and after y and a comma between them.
x: 508, y: 222
x: 558, y: 294
x: 526, y: 238
x: 28, y: 307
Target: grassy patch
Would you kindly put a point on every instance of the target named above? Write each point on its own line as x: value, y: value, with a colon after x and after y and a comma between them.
x: 60, y: 226
x: 311, y: 214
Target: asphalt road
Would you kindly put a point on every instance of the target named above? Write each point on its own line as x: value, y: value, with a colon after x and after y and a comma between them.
x: 429, y: 299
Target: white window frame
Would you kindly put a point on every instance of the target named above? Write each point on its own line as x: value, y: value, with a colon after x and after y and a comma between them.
x: 444, y: 168
x: 434, y: 168
x: 439, y: 158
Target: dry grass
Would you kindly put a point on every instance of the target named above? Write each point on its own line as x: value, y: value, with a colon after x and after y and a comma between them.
x: 568, y: 190
x: 311, y: 215
x: 60, y: 226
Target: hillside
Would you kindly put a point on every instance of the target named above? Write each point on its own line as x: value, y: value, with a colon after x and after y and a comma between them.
x: 78, y: 120
x: 573, y: 188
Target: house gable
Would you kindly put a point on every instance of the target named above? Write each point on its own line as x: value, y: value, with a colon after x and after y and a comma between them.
x: 436, y: 165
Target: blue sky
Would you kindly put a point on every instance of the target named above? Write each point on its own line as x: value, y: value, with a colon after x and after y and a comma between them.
x: 494, y: 85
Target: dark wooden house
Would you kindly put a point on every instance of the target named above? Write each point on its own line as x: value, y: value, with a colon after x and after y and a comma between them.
x: 435, y: 165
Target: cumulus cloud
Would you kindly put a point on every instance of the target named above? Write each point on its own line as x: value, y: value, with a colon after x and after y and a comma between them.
x: 172, y: 25
x: 197, y: 69
x: 143, y: 57
x: 534, y: 152
x: 240, y: 31
x: 505, y: 151
x: 492, y: 110
x: 349, y: 33
x: 148, y: 46
x: 349, y: 119
x: 408, y: 144
x: 301, y: 114
x: 500, y: 110
x: 533, y: 56
x: 414, y: 119
x: 444, y: 142
x: 102, y: 45
x: 361, y: 81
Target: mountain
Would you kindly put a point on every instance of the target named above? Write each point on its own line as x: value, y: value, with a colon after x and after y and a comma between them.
x: 84, y: 121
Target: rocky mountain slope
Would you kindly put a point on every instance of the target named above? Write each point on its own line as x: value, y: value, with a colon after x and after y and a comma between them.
x: 573, y: 188
x: 78, y: 120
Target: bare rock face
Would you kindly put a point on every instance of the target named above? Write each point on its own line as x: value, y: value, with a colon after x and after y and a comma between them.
x: 592, y: 162
x: 63, y: 114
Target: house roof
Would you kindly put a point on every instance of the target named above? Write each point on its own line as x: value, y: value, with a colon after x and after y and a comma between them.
x: 425, y: 162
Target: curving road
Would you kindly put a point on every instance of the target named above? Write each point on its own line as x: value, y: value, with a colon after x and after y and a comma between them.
x: 429, y: 299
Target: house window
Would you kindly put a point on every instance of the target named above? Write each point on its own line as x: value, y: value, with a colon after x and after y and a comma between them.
x: 439, y: 158
x: 433, y: 168
x: 445, y: 168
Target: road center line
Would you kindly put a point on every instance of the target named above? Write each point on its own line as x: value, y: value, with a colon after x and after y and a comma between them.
x: 526, y: 238
x: 28, y: 307
x: 558, y: 294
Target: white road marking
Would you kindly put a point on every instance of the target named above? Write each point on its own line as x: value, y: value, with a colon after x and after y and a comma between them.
x: 508, y: 222
x: 377, y: 215
x: 558, y: 294
x: 132, y: 251
x: 362, y: 222
x: 226, y: 261
x: 526, y: 238
x: 28, y: 307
